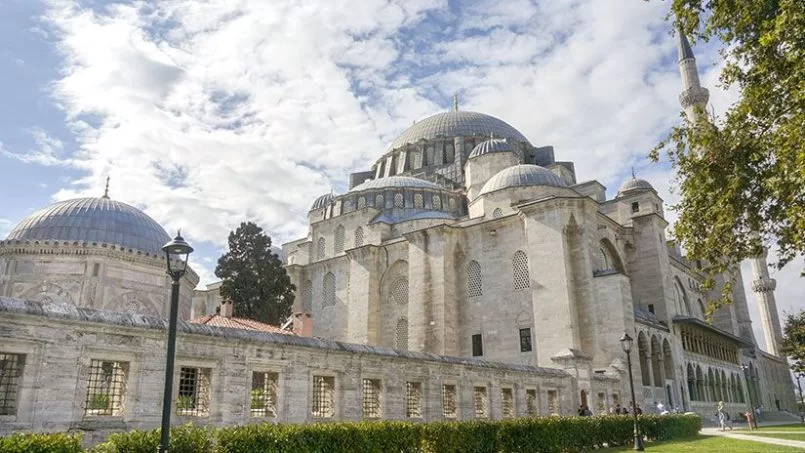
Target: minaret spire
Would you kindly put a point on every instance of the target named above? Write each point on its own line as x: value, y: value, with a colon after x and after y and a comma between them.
x: 106, y: 190
x: 763, y: 287
x: 455, y: 102
x: 693, y: 96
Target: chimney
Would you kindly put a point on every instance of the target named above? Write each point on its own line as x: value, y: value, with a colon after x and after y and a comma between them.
x: 226, y: 308
x: 303, y: 324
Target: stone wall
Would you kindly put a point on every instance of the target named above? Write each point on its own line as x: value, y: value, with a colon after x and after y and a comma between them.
x: 60, y: 349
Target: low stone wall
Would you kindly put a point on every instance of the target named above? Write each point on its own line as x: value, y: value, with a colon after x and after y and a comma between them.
x: 66, y: 357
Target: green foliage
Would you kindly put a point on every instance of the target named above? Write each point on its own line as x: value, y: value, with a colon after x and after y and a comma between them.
x: 184, y: 402
x: 183, y: 439
x: 741, y: 176
x: 794, y: 340
x: 99, y: 401
x: 253, y: 277
x: 41, y: 443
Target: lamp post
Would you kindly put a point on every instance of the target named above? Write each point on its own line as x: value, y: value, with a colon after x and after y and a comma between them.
x: 801, y: 398
x: 751, y: 418
x: 177, y: 252
x: 626, y: 344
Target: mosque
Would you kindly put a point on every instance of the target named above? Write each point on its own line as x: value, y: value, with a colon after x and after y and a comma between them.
x: 467, y: 273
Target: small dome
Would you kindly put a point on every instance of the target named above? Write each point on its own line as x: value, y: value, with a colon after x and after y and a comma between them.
x: 634, y: 184
x: 457, y: 124
x: 522, y: 175
x: 322, y: 201
x: 491, y: 146
x: 93, y: 220
x: 395, y: 182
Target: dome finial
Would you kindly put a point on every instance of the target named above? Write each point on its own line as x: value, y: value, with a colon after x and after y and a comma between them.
x: 633, y: 176
x: 491, y: 136
x: 455, y: 102
x: 106, y: 190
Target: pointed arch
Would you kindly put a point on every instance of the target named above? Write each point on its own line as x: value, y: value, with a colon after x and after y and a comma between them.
x: 379, y: 201
x: 667, y: 359
x: 358, y: 237
x: 401, y: 334
x: 608, y: 257
x: 656, y: 353
x: 643, y: 355
x: 700, y: 387
x: 691, y: 377
x: 339, y: 239
x: 683, y: 305
x: 328, y: 290
x: 307, y: 296
x: 321, y: 248
x: 474, y: 282
x: 520, y: 274
x: 393, y: 305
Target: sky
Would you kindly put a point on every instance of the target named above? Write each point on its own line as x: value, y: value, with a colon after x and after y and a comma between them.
x: 205, y: 114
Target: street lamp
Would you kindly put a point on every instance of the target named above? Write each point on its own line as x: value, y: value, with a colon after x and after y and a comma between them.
x: 750, y: 419
x: 626, y: 344
x: 177, y: 252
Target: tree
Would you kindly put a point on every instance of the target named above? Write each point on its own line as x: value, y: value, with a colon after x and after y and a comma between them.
x: 741, y: 176
x: 793, y: 344
x: 253, y: 277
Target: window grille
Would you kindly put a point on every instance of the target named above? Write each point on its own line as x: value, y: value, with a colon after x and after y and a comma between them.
x: 413, y: 399
x: 531, y: 402
x: 401, y: 334
x: 635, y: 207
x: 525, y: 340
x: 194, y: 392
x: 553, y: 402
x: 347, y: 206
x: 474, y: 284
x: 480, y: 402
x: 604, y: 259
x: 321, y: 247
x: 449, y: 404
x: 399, y: 291
x: 361, y: 202
x: 507, y: 402
x: 371, y: 398
x: 379, y: 201
x: 437, y: 202
x: 264, y: 394
x: 323, y: 396
x: 419, y: 202
x: 358, y: 237
x: 328, y: 290
x: 452, y: 203
x: 497, y: 213
x: 399, y: 202
x: 520, y: 271
x: 307, y: 296
x: 602, y: 403
x: 106, y: 388
x: 339, y: 239
x: 477, y: 345
x: 11, y: 367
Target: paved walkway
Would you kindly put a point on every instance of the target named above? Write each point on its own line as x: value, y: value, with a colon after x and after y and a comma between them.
x: 746, y: 435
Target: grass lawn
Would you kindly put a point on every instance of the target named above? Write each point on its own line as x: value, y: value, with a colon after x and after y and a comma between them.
x: 795, y: 427
x: 707, y: 444
x: 793, y: 435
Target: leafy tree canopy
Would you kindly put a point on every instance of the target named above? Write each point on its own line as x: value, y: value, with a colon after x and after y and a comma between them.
x: 794, y: 340
x: 253, y: 277
x: 741, y: 176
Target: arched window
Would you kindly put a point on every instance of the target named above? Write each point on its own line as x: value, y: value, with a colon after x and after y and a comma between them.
x: 358, y: 237
x: 361, y: 202
x: 497, y: 213
x: 401, y: 334
x: 692, y: 383
x: 307, y: 296
x: 437, y: 202
x: 522, y: 280
x: 379, y: 201
x: 321, y: 248
x: 328, y: 290
x: 347, y: 206
x: 604, y: 259
x: 399, y: 291
x: 474, y: 284
x: 398, y: 201
x: 452, y: 203
x: 702, y: 309
x: 339, y: 239
x: 419, y: 202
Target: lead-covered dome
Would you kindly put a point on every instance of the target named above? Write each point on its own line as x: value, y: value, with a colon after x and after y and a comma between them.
x: 99, y: 220
x: 322, y: 201
x: 491, y: 146
x: 522, y: 175
x: 457, y: 124
x: 633, y: 185
x: 395, y: 182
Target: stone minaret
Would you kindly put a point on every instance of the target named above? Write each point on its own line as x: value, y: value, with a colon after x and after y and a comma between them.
x: 694, y: 97
x: 693, y: 94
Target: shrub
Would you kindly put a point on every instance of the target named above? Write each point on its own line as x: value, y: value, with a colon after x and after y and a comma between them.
x: 41, y: 443
x: 183, y: 439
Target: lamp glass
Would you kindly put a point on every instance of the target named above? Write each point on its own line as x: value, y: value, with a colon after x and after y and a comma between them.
x: 626, y: 342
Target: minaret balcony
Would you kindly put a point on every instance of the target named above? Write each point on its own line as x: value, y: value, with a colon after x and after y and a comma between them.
x: 694, y: 96
x: 763, y: 285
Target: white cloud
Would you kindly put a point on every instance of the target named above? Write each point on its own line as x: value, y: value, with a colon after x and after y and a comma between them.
x: 5, y: 227
x: 49, y: 150
x: 211, y: 113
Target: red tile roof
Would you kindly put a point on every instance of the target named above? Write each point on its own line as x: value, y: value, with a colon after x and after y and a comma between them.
x: 217, y: 320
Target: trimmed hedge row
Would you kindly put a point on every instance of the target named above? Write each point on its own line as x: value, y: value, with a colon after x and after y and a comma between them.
x: 522, y: 435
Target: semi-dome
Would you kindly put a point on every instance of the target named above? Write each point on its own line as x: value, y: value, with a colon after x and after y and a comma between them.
x: 634, y: 184
x: 491, y: 146
x: 322, y: 201
x: 99, y: 220
x: 457, y: 124
x: 522, y: 175
x: 395, y: 182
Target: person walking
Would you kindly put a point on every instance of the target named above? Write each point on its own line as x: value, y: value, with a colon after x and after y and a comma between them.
x: 723, y: 417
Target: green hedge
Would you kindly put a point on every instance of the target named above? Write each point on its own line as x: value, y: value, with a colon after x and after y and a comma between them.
x: 41, y: 443
x: 521, y: 435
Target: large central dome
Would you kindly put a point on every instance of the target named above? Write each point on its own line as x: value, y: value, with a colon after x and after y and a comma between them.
x: 457, y: 124
x: 98, y: 220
